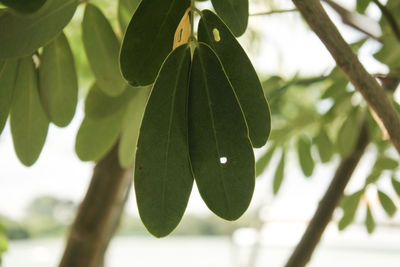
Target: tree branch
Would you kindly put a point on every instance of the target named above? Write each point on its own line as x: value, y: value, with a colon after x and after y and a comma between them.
x: 311, y: 237
x: 278, y: 11
x: 99, y: 213
x: 372, y: 92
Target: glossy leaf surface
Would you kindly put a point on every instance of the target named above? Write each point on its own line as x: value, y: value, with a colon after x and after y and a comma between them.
x: 131, y: 126
x: 163, y: 177
x: 8, y: 71
x: 149, y: 39
x: 58, y: 81
x: 22, y: 35
x: 28, y: 120
x: 241, y: 74
x: 102, y: 50
x: 220, y: 150
x: 235, y: 13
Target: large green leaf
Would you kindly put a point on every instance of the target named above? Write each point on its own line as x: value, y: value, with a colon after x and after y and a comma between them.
x: 58, y: 81
x: 97, y: 136
x: 102, y: 50
x: 163, y: 177
x: 126, y: 8
x: 22, y: 35
x: 279, y: 174
x: 8, y: 71
x: 99, y: 105
x: 241, y: 74
x: 324, y: 145
x: 28, y: 119
x: 24, y: 6
x: 131, y: 126
x: 387, y: 203
x: 220, y: 150
x: 305, y: 158
x: 235, y: 13
x: 349, y: 205
x: 149, y: 39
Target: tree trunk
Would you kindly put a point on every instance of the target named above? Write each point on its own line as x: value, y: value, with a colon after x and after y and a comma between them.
x: 311, y: 237
x: 99, y: 213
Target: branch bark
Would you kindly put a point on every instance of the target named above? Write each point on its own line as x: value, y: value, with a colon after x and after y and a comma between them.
x: 311, y: 237
x: 345, y: 58
x: 99, y: 213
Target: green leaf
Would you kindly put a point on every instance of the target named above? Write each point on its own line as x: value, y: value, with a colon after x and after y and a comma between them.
x: 349, y: 205
x: 235, y: 13
x: 163, y: 177
x: 8, y: 72
x: 149, y: 39
x: 97, y: 136
x: 126, y: 8
x: 241, y: 75
x: 220, y: 150
x: 58, y: 81
x: 279, y: 174
x: 386, y: 163
x: 24, y: 6
x: 264, y: 160
x: 370, y: 221
x: 28, y: 120
x: 131, y: 126
x: 348, y: 133
x: 324, y: 145
x: 387, y: 203
x: 396, y: 186
x: 305, y: 158
x: 102, y: 50
x: 99, y: 105
x: 22, y: 35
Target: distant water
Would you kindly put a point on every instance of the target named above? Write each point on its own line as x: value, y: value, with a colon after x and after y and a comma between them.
x: 349, y: 250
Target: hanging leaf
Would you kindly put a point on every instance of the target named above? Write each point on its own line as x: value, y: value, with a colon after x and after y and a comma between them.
x: 370, y: 221
x: 347, y: 136
x: 396, y: 186
x: 99, y: 105
x: 386, y: 163
x: 149, y: 38
x: 24, y: 6
x: 131, y: 126
x: 349, y: 205
x: 305, y: 158
x: 220, y: 150
x: 264, y: 160
x: 279, y: 174
x: 163, y: 177
x: 28, y: 119
x: 102, y: 50
x: 387, y: 203
x: 22, y: 35
x: 324, y: 145
x: 58, y: 81
x: 182, y: 33
x: 126, y: 8
x: 8, y: 71
x: 235, y: 13
x: 241, y: 74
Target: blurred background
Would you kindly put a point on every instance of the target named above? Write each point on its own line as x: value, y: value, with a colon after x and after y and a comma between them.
x: 37, y: 204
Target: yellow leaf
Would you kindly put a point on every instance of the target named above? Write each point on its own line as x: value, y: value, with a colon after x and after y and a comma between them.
x: 182, y: 33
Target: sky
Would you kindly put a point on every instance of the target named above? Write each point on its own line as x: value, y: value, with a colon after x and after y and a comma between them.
x: 287, y: 48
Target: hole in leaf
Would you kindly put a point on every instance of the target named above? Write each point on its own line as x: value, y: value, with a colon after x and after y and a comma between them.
x: 217, y: 37
x: 223, y: 160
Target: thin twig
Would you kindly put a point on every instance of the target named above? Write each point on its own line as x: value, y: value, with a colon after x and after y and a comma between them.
x: 279, y: 11
x: 311, y: 237
x: 373, y: 93
x: 390, y: 18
